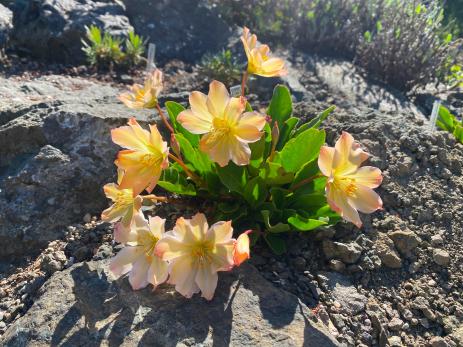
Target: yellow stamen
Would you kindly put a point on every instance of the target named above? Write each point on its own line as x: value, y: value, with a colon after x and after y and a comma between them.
x: 123, y: 199
x: 201, y: 252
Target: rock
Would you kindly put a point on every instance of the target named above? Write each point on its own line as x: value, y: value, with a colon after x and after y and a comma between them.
x: 405, y: 241
x: 6, y: 18
x: 441, y: 257
x: 200, y: 30
x: 53, y: 29
x: 348, y: 253
x: 457, y: 336
x: 343, y: 291
x: 436, y: 240
x: 395, y: 324
x: 387, y: 253
x: 84, y: 305
x: 55, y: 146
x: 395, y: 341
x: 438, y: 341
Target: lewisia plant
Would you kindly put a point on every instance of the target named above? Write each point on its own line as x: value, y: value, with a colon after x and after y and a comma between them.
x: 262, y: 172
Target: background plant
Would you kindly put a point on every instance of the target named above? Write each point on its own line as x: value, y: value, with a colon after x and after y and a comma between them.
x: 401, y: 42
x: 221, y: 66
x: 105, y: 51
x: 449, y: 122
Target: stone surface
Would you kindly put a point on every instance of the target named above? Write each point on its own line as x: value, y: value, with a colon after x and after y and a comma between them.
x: 6, y: 19
x: 55, y: 155
x: 343, y: 291
x: 387, y: 253
x: 53, y: 29
x: 83, y: 305
x: 405, y: 241
x: 441, y: 257
x: 348, y: 253
x: 184, y: 30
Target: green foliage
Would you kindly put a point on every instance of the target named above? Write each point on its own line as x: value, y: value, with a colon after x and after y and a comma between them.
x: 222, y: 67
x: 105, y: 51
x: 448, y: 122
x: 277, y: 192
x: 401, y: 42
x: 455, y: 77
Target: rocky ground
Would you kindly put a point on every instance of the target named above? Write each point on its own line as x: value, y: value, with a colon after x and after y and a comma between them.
x: 398, y: 281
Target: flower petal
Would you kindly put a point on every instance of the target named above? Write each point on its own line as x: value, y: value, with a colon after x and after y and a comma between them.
x: 241, y: 249
x: 170, y: 247
x: 233, y: 110
x: 157, y: 272
x: 248, y: 133
x: 156, y: 226
x: 220, y: 232
x: 183, y: 274
x: 368, y: 176
x: 255, y: 119
x: 206, y: 280
x: 122, y: 262
x: 240, y: 152
x: 194, y: 122
x: 222, y: 257
x: 125, y: 137
x: 338, y: 202
x: 217, y: 99
x: 365, y: 200
x: 138, y: 277
x: 325, y: 160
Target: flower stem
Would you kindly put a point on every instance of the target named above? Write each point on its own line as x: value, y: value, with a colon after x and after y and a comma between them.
x: 156, y: 198
x: 190, y: 174
x: 164, y: 119
x: 243, y: 83
x: 304, y: 182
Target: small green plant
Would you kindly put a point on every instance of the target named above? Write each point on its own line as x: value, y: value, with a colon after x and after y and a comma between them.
x: 222, y: 67
x: 447, y: 121
x: 455, y: 77
x: 105, y: 51
x: 134, y: 48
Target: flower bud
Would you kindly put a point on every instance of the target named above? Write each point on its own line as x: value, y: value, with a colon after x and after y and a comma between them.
x: 241, y: 248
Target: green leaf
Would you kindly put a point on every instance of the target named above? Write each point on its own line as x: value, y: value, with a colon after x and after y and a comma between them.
x: 310, y: 169
x: 308, y: 201
x: 302, y: 149
x: 458, y: 132
x: 274, y: 174
x: 305, y: 224
x: 281, y: 105
x: 278, y: 197
x: 175, y: 182
x: 234, y: 177
x: 446, y: 120
x: 316, y: 121
x: 255, y: 191
x: 277, y: 228
x: 276, y: 244
x: 195, y: 157
x: 173, y: 110
x: 285, y: 133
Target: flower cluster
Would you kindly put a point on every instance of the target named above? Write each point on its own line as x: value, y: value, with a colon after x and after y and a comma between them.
x: 262, y: 171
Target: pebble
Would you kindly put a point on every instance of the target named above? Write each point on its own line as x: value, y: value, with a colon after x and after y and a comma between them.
x: 438, y: 341
x: 395, y: 341
x: 395, y: 324
x: 436, y: 240
x: 441, y: 257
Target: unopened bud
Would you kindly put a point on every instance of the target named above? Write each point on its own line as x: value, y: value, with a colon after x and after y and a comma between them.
x: 175, y: 145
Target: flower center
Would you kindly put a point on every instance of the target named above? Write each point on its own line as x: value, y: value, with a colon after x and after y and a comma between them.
x: 201, y: 252
x: 347, y: 185
x: 123, y: 199
x: 220, y: 128
x: 151, y: 159
x: 148, y: 241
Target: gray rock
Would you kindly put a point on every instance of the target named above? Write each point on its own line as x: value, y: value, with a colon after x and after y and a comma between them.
x: 395, y: 341
x: 53, y: 29
x: 54, y: 144
x: 6, y: 18
x: 343, y: 291
x: 184, y: 30
x: 438, y: 341
x: 436, y: 240
x: 387, y: 253
x: 349, y: 253
x: 83, y: 305
x: 405, y: 241
x: 441, y: 257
